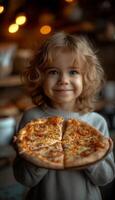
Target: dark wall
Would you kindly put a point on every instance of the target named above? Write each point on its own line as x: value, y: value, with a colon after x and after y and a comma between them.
x: 107, y: 57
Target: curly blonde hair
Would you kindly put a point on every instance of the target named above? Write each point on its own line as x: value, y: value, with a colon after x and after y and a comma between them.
x: 85, y: 56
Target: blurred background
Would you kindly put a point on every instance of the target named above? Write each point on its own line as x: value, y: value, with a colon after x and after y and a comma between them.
x: 24, y: 24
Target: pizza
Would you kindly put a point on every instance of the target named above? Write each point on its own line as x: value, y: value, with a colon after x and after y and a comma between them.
x: 57, y: 143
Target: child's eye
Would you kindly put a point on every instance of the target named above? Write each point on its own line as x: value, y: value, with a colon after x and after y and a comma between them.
x: 53, y: 72
x: 73, y: 72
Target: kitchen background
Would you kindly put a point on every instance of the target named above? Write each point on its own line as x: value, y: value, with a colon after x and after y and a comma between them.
x: 24, y: 24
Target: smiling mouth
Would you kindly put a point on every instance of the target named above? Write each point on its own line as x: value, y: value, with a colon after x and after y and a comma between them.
x: 62, y: 90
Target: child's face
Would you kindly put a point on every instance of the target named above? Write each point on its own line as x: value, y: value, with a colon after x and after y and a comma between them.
x: 63, y: 81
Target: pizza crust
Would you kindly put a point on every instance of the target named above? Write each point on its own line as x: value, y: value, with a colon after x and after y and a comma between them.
x: 46, y: 164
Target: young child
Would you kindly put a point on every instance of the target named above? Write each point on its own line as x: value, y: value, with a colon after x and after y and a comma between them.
x: 63, y: 79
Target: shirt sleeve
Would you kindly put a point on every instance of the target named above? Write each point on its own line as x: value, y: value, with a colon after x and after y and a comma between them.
x: 103, y: 172
x: 27, y: 173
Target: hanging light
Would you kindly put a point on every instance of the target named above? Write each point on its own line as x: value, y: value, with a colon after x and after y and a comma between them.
x: 13, y: 28
x: 20, y: 20
x: 1, y: 9
x: 69, y: 1
x: 45, y: 29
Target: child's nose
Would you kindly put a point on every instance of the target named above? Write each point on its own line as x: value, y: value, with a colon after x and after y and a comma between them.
x: 63, y: 79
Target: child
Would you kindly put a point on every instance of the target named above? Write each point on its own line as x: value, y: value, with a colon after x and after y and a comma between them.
x: 63, y: 79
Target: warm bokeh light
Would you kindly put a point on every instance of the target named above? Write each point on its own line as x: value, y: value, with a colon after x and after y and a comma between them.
x: 13, y: 28
x: 69, y: 1
x: 46, y: 29
x: 21, y: 19
x: 1, y: 9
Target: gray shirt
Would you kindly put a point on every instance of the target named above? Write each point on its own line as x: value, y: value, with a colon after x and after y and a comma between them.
x: 46, y: 184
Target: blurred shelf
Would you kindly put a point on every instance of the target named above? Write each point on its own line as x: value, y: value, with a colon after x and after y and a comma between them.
x: 10, y: 81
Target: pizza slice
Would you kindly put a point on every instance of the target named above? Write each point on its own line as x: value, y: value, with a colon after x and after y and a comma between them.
x: 83, y: 144
x: 39, y: 133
